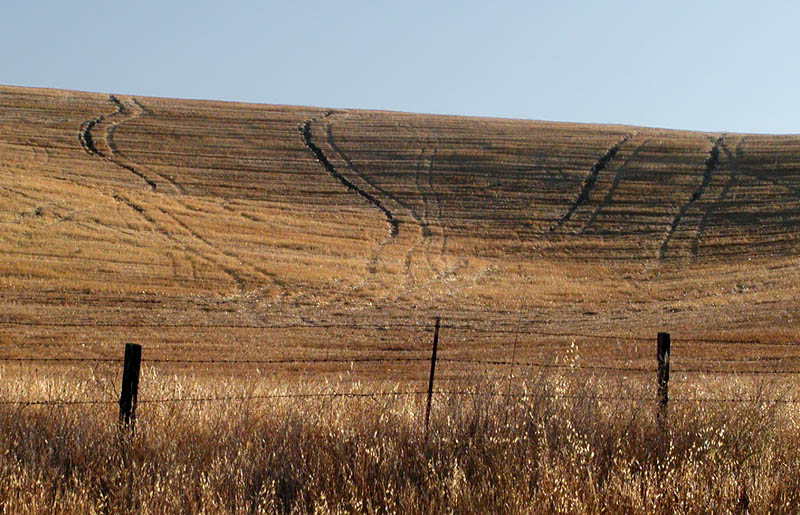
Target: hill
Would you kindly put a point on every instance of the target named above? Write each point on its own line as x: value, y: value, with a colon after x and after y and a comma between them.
x: 199, y: 227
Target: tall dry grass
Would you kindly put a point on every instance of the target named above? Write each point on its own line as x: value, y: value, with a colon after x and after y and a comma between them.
x: 574, y: 444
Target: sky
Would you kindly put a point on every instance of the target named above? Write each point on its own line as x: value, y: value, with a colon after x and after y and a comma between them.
x: 710, y: 65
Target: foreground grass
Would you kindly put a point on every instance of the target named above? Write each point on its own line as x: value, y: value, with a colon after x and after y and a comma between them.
x: 572, y: 445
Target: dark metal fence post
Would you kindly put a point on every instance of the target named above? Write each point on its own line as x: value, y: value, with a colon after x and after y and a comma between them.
x: 130, y: 385
x: 662, y: 354
x: 433, y: 369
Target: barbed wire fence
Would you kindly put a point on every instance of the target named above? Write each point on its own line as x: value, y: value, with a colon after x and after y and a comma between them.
x: 131, y: 367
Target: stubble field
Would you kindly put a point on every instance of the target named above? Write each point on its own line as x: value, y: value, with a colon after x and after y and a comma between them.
x: 310, y: 250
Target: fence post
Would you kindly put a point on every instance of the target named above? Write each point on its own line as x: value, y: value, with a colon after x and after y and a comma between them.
x: 130, y: 385
x: 662, y: 354
x: 433, y: 369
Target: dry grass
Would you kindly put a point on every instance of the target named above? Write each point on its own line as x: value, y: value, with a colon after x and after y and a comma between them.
x: 571, y: 446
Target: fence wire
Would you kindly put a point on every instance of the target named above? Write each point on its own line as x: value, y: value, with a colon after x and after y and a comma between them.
x: 468, y: 361
x: 464, y: 327
x: 419, y: 327
x: 343, y: 395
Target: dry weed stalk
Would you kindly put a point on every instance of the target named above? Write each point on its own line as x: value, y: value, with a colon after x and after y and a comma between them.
x: 568, y: 445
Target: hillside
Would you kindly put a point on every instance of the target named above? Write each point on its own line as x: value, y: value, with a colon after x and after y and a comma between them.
x: 198, y: 227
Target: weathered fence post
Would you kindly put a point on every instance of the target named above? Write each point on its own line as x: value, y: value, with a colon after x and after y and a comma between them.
x: 662, y: 354
x: 433, y: 369
x: 130, y: 385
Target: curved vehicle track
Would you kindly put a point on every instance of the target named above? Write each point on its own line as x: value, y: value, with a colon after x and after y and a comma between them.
x: 305, y: 132
x: 105, y: 148
x: 731, y: 182
x: 710, y: 166
x: 619, y: 175
x: 590, y: 180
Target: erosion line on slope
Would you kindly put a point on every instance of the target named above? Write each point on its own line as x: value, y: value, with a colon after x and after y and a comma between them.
x: 85, y: 132
x: 305, y: 132
x: 710, y: 165
x: 621, y: 172
x: 732, y: 179
x: 589, y: 182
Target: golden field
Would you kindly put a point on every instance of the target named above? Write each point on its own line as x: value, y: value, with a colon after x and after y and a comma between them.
x: 223, y: 231
x: 192, y: 226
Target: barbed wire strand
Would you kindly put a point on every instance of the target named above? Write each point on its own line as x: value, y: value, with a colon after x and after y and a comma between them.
x: 474, y: 361
x: 333, y: 395
x: 417, y: 327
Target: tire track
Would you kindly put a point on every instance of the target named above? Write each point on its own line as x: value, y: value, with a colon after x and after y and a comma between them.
x: 307, y: 137
x: 732, y: 180
x: 710, y: 165
x: 130, y: 109
x: 237, y: 278
x: 427, y: 219
x: 417, y: 217
x: 445, y: 270
x: 588, y: 183
x: 621, y: 173
x: 430, y: 222
x: 253, y: 271
x: 439, y: 213
x: 438, y: 205
x: 346, y: 158
x: 188, y: 249
x: 106, y: 149
x: 422, y: 220
x: 140, y: 111
x: 305, y: 132
x: 379, y: 197
x: 766, y: 179
x: 167, y: 235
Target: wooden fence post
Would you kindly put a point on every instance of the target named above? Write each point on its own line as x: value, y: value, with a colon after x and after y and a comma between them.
x: 433, y: 369
x: 662, y: 354
x: 130, y: 385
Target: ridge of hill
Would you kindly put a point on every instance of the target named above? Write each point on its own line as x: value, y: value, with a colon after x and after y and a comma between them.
x: 195, y: 226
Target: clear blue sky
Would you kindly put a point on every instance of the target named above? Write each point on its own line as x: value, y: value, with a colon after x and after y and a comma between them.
x: 708, y: 65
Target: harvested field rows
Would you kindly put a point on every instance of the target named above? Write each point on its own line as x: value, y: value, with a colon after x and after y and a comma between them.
x: 198, y: 227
